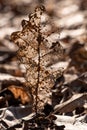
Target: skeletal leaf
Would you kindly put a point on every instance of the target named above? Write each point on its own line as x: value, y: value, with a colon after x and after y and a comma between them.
x: 37, y: 53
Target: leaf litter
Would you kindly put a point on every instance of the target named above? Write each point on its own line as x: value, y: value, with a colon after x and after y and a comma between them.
x: 66, y: 92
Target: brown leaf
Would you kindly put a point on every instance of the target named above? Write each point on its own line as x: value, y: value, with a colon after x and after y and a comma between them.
x: 37, y: 53
x: 77, y: 100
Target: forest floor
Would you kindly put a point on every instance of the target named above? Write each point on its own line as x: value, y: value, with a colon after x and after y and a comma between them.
x: 68, y: 108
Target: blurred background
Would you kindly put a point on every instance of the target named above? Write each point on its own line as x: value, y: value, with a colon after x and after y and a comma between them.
x: 68, y: 15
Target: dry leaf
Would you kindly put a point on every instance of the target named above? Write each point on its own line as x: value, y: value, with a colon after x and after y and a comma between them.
x: 37, y: 53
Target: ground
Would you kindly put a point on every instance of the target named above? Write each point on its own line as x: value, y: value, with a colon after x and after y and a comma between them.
x: 67, y: 23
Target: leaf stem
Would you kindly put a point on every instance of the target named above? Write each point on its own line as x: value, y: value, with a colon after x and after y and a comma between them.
x: 38, y: 77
